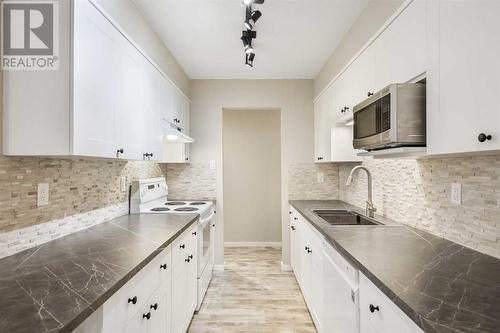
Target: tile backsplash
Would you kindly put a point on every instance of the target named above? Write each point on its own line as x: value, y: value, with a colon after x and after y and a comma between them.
x: 418, y: 193
x: 75, y: 186
x: 195, y: 181
x: 303, y: 181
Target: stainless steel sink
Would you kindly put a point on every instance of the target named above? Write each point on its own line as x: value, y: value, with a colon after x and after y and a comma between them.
x: 343, y: 217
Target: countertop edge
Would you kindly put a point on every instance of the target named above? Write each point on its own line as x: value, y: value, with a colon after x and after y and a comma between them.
x: 93, y: 307
x: 418, y: 319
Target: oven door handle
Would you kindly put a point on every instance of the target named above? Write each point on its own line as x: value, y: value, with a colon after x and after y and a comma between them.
x: 202, y: 222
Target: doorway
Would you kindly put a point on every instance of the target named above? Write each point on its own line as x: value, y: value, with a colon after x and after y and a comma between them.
x: 252, y: 177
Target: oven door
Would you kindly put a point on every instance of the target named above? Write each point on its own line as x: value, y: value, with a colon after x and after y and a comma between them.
x: 372, y: 121
x: 205, y: 243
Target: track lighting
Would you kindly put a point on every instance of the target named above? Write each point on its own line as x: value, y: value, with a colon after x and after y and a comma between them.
x: 254, y: 17
x: 249, y: 59
x: 251, y: 17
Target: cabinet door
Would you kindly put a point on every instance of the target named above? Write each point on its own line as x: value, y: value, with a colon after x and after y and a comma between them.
x: 306, y: 269
x: 362, y: 77
x: 160, y: 312
x: 400, y: 50
x: 139, y: 323
x: 96, y: 48
x: 464, y: 80
x: 130, y: 118
x: 293, y: 241
x: 323, y: 113
x: 179, y: 297
x: 316, y: 282
x: 151, y: 125
x: 192, y: 277
x: 166, y: 97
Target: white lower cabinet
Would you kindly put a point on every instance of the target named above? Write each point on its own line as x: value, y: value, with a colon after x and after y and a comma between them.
x: 339, y: 298
x: 160, y: 298
x: 379, y: 314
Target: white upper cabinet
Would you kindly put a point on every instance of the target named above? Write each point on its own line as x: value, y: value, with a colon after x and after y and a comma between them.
x: 95, y: 101
x: 323, y: 122
x: 464, y: 77
x: 400, y: 51
x: 106, y: 100
x: 362, y: 77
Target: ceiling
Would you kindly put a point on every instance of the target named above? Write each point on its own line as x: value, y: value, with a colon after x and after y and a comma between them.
x: 294, y: 37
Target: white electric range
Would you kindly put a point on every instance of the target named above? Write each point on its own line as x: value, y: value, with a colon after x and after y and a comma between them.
x: 150, y: 196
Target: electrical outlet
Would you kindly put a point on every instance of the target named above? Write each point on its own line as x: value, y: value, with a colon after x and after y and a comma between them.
x: 212, y: 164
x: 320, y: 176
x: 123, y: 184
x: 456, y: 193
x: 43, y: 194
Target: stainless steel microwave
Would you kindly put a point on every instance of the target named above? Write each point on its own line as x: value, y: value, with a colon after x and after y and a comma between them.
x: 392, y: 117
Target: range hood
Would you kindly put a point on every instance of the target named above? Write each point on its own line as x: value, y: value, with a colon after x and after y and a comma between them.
x: 174, y: 134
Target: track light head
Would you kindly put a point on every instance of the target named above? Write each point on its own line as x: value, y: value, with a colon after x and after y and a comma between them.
x: 246, y: 41
x: 254, y: 17
x: 249, y: 59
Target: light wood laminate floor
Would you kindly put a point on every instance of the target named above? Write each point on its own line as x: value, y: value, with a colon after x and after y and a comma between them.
x: 253, y: 295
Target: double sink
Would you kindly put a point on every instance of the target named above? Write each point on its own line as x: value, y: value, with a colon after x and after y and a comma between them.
x: 343, y: 217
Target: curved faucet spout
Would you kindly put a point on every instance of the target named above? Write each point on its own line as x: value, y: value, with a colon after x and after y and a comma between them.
x: 370, y: 208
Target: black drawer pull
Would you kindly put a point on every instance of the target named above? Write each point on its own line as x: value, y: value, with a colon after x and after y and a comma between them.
x: 164, y: 266
x: 190, y: 256
x: 147, y: 315
x: 374, y: 308
x: 183, y: 246
x: 154, y: 306
x: 132, y: 300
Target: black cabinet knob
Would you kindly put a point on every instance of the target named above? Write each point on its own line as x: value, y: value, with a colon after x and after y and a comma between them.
x: 187, y: 158
x: 190, y: 256
x: 150, y: 154
x: 133, y: 300
x: 320, y: 158
x: 119, y: 151
x: 182, y: 246
x: 187, y: 260
x: 295, y: 218
x: 369, y: 94
x: 306, y: 248
x: 194, y: 233
x: 293, y: 227
x: 483, y: 137
x: 154, y: 306
x: 147, y: 315
x: 164, y: 266
x: 290, y: 213
x: 374, y: 308
x: 309, y: 251
x: 213, y: 225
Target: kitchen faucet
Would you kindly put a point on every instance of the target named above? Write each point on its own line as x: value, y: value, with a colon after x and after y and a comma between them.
x: 370, y: 208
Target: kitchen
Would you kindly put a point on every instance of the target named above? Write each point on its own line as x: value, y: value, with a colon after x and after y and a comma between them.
x: 327, y: 179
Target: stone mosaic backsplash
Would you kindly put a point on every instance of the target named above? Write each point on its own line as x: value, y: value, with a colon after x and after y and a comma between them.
x: 195, y: 181
x: 75, y: 186
x: 303, y: 181
x: 418, y: 193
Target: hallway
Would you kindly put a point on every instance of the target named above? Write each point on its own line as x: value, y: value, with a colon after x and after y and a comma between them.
x: 253, y: 295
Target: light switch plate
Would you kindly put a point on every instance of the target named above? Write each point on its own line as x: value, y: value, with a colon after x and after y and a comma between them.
x: 43, y: 194
x: 456, y: 193
x: 320, y: 176
x: 212, y: 164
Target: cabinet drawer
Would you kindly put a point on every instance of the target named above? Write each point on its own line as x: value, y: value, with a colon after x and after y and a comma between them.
x: 386, y: 316
x: 133, y: 296
x: 184, y: 246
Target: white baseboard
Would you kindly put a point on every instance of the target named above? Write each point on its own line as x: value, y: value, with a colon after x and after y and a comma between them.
x: 219, y: 268
x: 286, y: 268
x: 252, y: 244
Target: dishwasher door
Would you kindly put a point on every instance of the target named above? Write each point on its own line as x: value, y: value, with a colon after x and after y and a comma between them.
x: 341, y: 294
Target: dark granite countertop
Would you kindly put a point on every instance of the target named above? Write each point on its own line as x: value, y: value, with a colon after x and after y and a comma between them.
x: 442, y: 286
x: 55, y: 286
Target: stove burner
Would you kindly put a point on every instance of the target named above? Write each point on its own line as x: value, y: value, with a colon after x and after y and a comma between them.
x: 175, y: 203
x: 160, y: 209
x: 186, y: 209
x: 198, y: 203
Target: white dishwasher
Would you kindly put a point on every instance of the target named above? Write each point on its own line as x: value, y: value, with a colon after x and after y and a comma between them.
x: 341, y: 293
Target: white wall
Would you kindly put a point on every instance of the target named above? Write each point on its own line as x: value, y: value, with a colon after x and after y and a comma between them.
x: 252, y: 179
x: 373, y: 17
x: 131, y: 20
x: 293, y: 97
